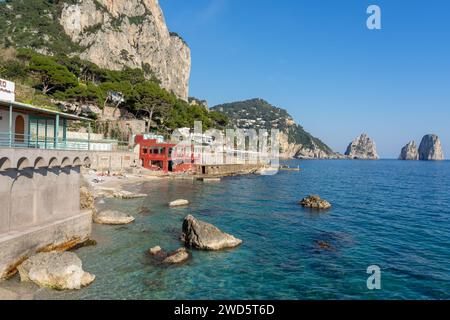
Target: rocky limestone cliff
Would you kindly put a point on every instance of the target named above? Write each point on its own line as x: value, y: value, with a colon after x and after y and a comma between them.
x: 131, y: 33
x: 430, y: 148
x: 409, y: 152
x: 294, y: 141
x: 362, y: 148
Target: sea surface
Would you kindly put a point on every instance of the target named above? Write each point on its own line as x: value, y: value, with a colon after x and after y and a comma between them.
x: 392, y: 214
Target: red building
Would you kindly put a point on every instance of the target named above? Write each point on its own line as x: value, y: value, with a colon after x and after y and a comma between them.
x: 166, y: 157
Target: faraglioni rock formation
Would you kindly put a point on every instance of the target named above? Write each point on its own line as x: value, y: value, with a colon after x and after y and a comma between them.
x: 131, y: 33
x: 409, y: 152
x: 362, y: 148
x: 204, y: 236
x: 430, y: 148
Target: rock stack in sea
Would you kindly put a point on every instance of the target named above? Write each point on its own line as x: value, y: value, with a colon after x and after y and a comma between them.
x: 409, y: 152
x: 362, y: 148
x: 430, y: 148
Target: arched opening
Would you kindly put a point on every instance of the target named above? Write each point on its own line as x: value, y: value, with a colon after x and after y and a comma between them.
x: 23, y: 163
x: 5, y: 164
x: 87, y: 162
x: 53, y: 163
x: 65, y: 162
x: 40, y: 163
x: 20, y: 129
x: 77, y: 162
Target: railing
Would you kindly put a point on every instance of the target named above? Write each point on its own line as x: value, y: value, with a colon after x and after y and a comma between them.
x: 14, y: 140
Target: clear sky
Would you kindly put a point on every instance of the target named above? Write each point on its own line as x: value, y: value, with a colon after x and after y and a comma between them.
x: 318, y: 60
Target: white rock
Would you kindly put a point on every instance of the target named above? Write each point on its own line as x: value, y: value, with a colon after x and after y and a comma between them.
x: 56, y: 270
x: 126, y: 195
x: 155, y: 250
x: 111, y: 217
x: 179, y: 203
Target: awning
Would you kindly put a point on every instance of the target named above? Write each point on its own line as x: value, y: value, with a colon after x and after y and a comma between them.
x: 27, y: 108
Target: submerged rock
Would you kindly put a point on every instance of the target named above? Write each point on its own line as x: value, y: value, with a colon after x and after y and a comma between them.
x: 362, y: 148
x: 324, y: 245
x: 204, y: 236
x: 179, y: 203
x: 56, y: 270
x: 409, y: 152
x: 144, y: 211
x: 112, y: 217
x: 315, y: 202
x: 179, y: 256
x: 430, y: 148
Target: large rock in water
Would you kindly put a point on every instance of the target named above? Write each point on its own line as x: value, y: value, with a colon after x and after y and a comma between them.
x: 362, y: 148
x: 56, y: 270
x: 129, y: 33
x: 430, y: 148
x: 409, y: 152
x: 204, y: 236
x: 315, y: 202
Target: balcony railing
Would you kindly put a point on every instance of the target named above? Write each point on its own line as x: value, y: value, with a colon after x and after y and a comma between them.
x: 14, y: 140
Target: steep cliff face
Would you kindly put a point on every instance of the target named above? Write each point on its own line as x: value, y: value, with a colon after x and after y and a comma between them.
x: 409, y: 152
x: 430, y: 148
x: 132, y: 33
x: 294, y: 141
x: 362, y: 148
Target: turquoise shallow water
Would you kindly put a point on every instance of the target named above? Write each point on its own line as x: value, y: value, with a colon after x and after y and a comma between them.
x: 388, y: 213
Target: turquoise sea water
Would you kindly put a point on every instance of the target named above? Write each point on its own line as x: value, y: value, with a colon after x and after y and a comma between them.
x: 388, y: 213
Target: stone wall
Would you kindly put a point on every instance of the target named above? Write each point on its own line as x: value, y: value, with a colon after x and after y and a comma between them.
x: 114, y: 161
x: 226, y: 169
x: 40, y: 202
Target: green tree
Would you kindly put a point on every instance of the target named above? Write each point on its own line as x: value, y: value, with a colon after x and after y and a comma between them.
x: 52, y: 75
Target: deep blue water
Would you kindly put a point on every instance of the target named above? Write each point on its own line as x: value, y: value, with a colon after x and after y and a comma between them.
x: 388, y: 213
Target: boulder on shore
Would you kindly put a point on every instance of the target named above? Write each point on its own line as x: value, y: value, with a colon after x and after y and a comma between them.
x: 315, y: 202
x: 179, y: 203
x: 409, y: 152
x: 56, y: 270
x: 179, y: 256
x: 111, y: 217
x: 430, y: 148
x: 204, y: 236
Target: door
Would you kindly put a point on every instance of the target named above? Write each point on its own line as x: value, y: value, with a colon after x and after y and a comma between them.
x: 20, y: 129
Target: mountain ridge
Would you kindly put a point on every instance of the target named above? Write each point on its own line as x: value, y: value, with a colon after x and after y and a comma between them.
x: 257, y: 113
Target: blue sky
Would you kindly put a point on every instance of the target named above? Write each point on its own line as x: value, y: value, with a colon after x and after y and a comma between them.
x: 318, y: 60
